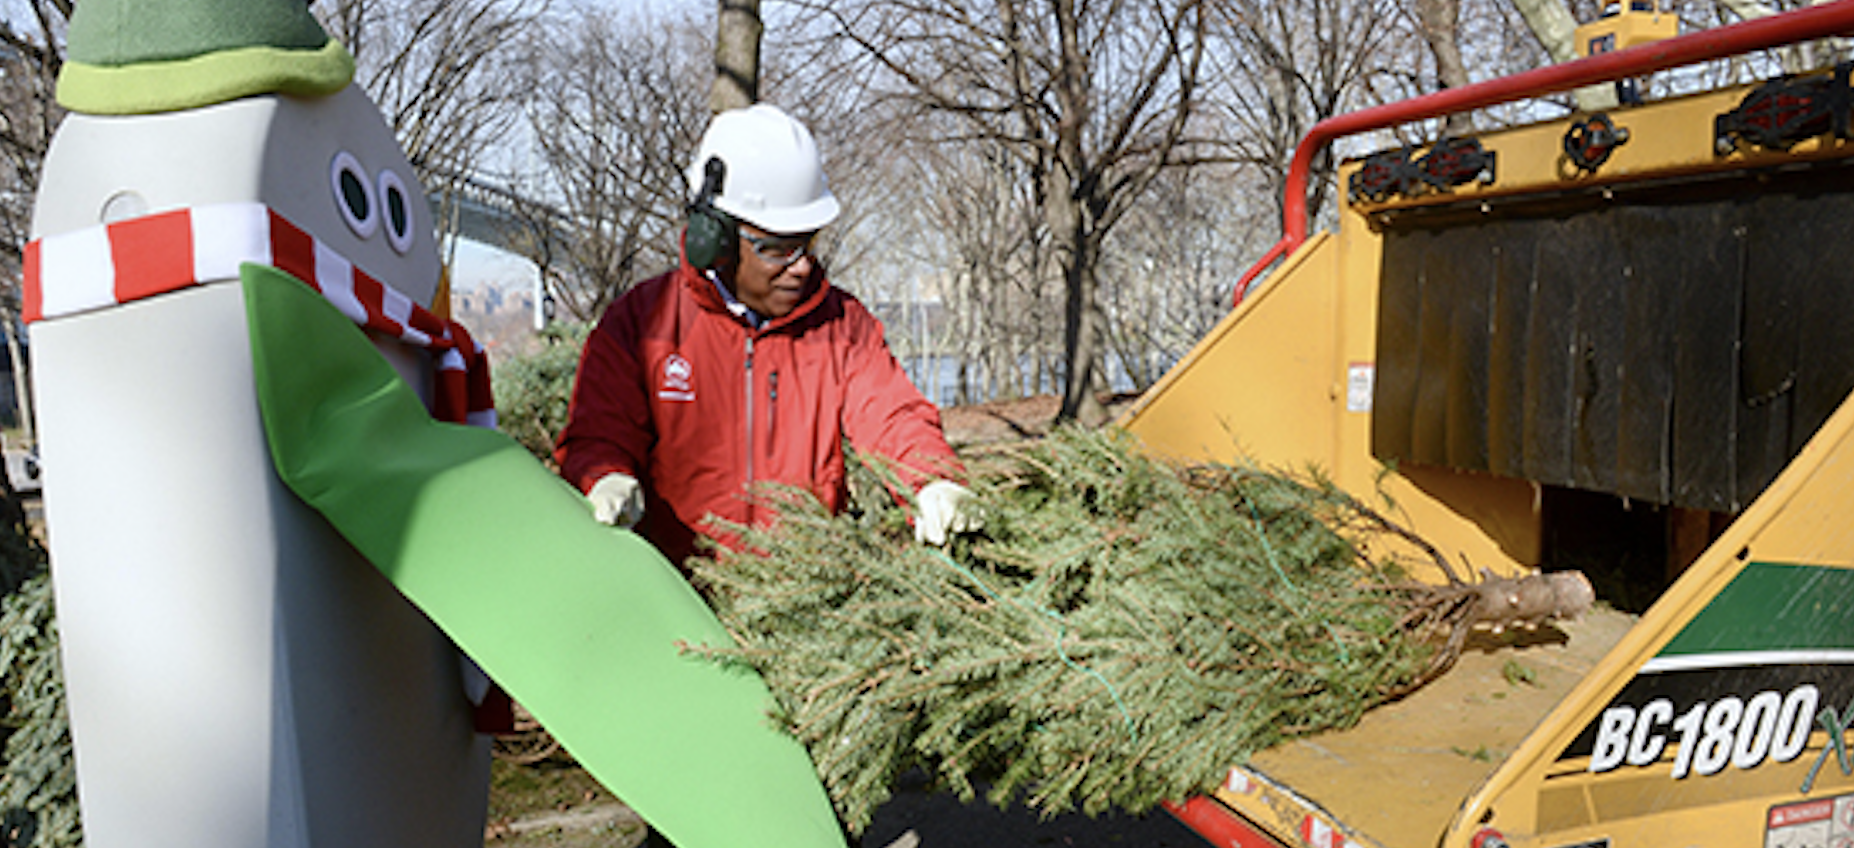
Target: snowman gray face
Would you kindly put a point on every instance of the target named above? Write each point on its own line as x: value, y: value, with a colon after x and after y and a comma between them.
x: 372, y: 204
x: 329, y: 165
x: 332, y: 167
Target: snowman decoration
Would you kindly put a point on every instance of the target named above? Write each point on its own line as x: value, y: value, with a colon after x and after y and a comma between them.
x: 236, y: 673
x: 259, y: 649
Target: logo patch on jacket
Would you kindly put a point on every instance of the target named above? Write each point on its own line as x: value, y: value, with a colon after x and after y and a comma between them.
x: 676, y: 379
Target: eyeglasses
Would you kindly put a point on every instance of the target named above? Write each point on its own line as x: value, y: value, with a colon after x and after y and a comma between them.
x: 781, y: 251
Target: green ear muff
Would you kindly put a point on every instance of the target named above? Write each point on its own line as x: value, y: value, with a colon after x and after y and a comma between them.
x: 711, y: 231
x: 709, y: 235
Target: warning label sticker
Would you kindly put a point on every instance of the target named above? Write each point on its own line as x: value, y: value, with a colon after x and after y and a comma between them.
x: 1359, y: 380
x: 1822, y: 823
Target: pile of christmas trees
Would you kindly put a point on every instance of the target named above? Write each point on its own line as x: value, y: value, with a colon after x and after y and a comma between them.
x: 1120, y: 633
x: 38, y: 779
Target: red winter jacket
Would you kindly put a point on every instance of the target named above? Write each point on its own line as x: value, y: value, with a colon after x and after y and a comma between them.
x: 697, y: 405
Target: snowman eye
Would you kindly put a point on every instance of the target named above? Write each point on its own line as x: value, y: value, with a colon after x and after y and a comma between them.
x: 354, y: 194
x: 396, y: 211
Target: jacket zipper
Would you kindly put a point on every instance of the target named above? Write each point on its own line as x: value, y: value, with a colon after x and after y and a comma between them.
x: 772, y: 404
x: 749, y: 422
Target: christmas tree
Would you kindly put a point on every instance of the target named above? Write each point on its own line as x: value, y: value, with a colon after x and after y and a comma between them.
x: 1121, y: 633
x: 38, y: 781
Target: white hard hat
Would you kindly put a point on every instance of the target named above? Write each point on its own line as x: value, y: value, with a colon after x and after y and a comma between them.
x: 775, y: 179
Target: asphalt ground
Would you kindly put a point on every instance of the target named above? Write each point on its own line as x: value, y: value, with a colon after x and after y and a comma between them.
x: 916, y: 818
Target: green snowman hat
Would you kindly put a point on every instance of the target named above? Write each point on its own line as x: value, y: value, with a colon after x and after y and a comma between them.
x: 131, y: 57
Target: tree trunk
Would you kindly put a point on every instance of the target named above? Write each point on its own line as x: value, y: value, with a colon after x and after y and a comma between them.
x: 1073, y: 234
x: 1081, y: 336
x: 737, y: 56
x: 1440, y: 22
x: 22, y: 384
x: 1551, y: 23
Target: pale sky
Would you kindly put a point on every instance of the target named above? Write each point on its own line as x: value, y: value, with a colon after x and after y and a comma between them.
x: 477, y: 263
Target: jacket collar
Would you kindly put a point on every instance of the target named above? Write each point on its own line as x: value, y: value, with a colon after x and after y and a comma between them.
x: 709, y: 298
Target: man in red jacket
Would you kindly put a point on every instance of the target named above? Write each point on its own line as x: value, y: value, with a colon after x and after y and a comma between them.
x: 745, y: 365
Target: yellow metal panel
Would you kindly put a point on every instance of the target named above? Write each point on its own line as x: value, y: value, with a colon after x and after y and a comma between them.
x: 1280, y: 381
x: 1360, y: 260
x: 1400, y: 775
x: 1534, y: 797
x: 1262, y: 383
x: 1626, y: 29
x: 1667, y: 138
x: 1480, y: 521
x: 1816, y: 526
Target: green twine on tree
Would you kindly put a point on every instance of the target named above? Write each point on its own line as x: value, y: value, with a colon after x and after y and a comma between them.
x: 1062, y: 629
x: 1344, y: 655
x: 1263, y: 535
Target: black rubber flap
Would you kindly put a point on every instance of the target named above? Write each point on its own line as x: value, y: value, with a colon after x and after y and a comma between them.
x: 1676, y: 344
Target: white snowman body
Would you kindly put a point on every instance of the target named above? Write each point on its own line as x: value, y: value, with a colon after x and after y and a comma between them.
x: 237, y: 674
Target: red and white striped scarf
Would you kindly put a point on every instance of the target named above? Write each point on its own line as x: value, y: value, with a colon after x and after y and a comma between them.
x: 116, y: 263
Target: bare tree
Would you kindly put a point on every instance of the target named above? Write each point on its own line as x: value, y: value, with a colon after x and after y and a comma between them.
x: 1092, y: 100
x: 976, y: 220
x: 1172, y: 264
x: 443, y: 74
x: 1289, y: 64
x: 1797, y: 57
x: 1553, y: 23
x: 617, y: 109
x: 30, y: 57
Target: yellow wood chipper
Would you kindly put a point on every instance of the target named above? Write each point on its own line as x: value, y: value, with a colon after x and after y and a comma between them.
x: 1624, y: 336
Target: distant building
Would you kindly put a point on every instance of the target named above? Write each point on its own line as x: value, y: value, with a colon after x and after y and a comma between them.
x: 498, y: 315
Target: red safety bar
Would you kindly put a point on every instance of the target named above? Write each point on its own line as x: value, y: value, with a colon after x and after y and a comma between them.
x: 1828, y: 19
x: 1219, y: 824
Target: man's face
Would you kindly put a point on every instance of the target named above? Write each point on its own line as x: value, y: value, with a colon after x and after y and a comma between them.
x: 772, y: 272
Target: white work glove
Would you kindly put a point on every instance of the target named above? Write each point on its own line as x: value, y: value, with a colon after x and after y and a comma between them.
x: 618, y: 500
x: 945, y: 508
